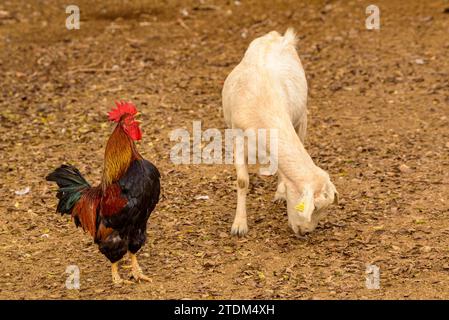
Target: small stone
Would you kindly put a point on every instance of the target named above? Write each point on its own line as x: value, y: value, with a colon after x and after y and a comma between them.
x: 328, y: 8
x: 4, y: 14
x: 23, y: 191
x: 208, y: 264
x: 426, y: 19
x: 184, y: 12
x: 419, y: 61
x: 426, y: 249
x: 404, y: 168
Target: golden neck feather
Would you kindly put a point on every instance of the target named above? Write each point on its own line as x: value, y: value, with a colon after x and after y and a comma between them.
x: 120, y: 152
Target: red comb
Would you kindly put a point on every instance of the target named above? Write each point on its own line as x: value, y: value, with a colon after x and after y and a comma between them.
x: 122, y: 109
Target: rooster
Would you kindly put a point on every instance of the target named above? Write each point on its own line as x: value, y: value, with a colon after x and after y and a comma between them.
x: 115, y: 212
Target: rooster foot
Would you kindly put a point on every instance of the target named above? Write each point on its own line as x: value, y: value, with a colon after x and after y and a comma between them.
x: 136, y: 271
x: 116, y: 279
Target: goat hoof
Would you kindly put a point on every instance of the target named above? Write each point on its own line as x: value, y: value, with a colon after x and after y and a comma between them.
x: 280, y: 194
x: 279, y: 198
x: 239, y: 229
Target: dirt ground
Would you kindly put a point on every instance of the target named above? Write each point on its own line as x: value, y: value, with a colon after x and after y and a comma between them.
x: 378, y: 123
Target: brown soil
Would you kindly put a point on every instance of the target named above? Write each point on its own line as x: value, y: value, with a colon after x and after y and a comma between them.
x: 379, y: 101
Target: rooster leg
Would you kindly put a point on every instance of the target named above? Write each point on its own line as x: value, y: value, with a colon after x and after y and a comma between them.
x: 136, y: 270
x: 116, y: 279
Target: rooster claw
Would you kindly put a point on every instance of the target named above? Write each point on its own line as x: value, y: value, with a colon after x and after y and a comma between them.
x: 138, y: 275
x: 143, y: 277
x: 121, y: 281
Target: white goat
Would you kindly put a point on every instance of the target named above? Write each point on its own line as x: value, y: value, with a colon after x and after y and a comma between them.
x: 268, y: 90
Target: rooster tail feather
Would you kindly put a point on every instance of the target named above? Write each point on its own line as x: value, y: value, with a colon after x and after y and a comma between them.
x: 71, y: 186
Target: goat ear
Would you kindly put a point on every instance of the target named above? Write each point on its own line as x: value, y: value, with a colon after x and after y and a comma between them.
x: 306, y: 204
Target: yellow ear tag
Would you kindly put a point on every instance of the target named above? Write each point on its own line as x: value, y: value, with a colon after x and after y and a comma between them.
x: 300, y: 207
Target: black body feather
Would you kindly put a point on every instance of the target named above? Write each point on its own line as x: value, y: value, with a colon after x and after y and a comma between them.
x: 140, y: 185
